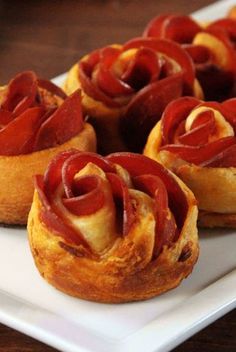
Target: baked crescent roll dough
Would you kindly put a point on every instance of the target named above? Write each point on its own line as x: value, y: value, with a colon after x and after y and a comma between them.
x: 111, y: 252
x: 209, y: 172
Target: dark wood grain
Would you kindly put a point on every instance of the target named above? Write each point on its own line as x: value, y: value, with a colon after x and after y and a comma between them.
x: 48, y: 37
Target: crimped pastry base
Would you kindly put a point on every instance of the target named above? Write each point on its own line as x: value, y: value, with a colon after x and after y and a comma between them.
x: 16, y: 177
x: 104, y: 119
x: 121, y: 275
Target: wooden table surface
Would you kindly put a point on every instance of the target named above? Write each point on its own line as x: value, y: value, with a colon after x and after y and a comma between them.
x: 48, y: 37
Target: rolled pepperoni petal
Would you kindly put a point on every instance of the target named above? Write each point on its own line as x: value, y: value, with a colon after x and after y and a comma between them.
x: 92, y: 90
x: 63, y: 124
x: 202, y: 128
x: 88, y: 196
x: 26, y: 125
x: 53, y: 174
x: 200, y: 54
x: 5, y: 117
x: 120, y: 191
x: 218, y: 42
x: 50, y: 217
x: 165, y: 223
x: 155, y: 27
x: 174, y: 52
x: 51, y: 87
x: 111, y: 85
x: 214, y: 60
x: 180, y: 29
x: 198, y: 155
x: 228, y: 26
x: 174, y: 114
x: 230, y: 106
x: 227, y: 158
x: 104, y: 77
x: 77, y: 162
x: 21, y: 93
x: 144, y: 68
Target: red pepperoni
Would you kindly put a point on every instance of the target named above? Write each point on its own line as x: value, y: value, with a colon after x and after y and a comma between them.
x: 146, y: 107
x: 165, y: 224
x: 51, y: 87
x: 178, y: 28
x: 144, y: 68
x: 5, y: 117
x: 173, y: 51
x: 201, y: 129
x: 226, y: 158
x: 77, y: 162
x: 53, y: 174
x: 200, y: 154
x: 21, y: 93
x: 228, y: 25
x: 120, y: 190
x: 174, y: 113
x: 91, y: 89
x: 88, y: 196
x: 155, y: 27
x: 62, y: 125
x: 17, y: 137
x: 55, y: 221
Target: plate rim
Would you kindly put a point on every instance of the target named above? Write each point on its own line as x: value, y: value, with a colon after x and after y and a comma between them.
x: 30, y: 319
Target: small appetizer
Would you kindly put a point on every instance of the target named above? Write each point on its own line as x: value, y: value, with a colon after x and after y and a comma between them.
x: 212, y: 48
x: 37, y: 120
x: 125, y: 88
x: 196, y: 140
x: 112, y: 229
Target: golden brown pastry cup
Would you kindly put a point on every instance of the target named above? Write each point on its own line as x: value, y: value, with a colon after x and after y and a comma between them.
x: 16, y: 177
x: 124, y: 273
x: 214, y: 188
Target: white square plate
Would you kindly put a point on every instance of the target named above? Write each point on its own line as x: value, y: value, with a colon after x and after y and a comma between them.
x: 29, y: 304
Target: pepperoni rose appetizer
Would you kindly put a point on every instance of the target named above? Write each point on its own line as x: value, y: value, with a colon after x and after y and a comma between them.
x: 196, y: 140
x: 112, y: 229
x: 211, y: 47
x: 37, y: 120
x: 125, y: 88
